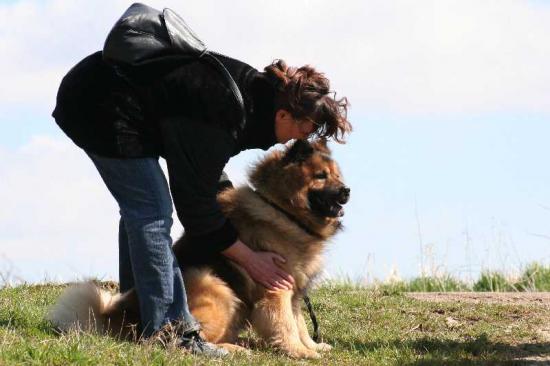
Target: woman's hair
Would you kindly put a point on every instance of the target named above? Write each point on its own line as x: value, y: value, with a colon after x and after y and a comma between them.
x: 306, y: 94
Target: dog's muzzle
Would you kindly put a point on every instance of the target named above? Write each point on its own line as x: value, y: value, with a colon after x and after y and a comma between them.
x: 328, y: 203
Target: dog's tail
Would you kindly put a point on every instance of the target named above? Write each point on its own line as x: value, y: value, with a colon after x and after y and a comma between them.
x: 82, y: 307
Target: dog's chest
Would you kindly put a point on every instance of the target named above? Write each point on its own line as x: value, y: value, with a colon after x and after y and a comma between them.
x: 305, y: 271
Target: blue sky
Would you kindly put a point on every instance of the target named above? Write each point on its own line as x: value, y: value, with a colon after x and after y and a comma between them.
x: 449, y: 104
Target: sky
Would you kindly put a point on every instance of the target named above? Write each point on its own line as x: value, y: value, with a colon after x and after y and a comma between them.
x: 447, y: 162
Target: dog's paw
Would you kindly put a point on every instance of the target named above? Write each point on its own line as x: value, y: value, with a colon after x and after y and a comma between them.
x: 233, y: 348
x: 323, y: 347
x: 304, y: 353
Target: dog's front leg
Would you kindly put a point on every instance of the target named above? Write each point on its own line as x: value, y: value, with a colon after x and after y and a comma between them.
x: 273, y: 319
x: 302, y: 328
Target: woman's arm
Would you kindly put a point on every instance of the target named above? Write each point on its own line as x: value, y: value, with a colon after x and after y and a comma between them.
x: 196, y: 155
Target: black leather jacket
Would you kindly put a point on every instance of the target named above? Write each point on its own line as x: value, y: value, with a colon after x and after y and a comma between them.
x: 178, y: 107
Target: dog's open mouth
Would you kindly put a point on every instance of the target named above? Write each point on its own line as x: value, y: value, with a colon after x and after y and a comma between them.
x: 327, y: 203
x: 337, y: 210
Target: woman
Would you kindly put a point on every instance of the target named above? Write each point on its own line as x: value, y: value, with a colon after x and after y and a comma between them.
x: 125, y: 116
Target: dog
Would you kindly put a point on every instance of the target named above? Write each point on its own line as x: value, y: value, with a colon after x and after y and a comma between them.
x: 293, y: 209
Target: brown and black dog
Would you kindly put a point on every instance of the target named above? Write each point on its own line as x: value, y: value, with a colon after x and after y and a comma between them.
x: 293, y: 210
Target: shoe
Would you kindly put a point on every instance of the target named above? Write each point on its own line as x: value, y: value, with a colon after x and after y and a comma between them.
x: 194, y: 343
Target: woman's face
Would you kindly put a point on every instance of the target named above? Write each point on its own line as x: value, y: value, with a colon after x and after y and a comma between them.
x: 288, y: 128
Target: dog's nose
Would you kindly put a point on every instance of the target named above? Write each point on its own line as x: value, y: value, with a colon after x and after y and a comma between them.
x: 344, y: 194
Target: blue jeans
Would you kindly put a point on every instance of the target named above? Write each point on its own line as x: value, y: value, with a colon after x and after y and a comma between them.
x: 146, y: 259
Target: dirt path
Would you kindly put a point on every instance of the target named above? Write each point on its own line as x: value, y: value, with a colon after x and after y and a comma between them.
x: 512, y: 298
x: 538, y: 357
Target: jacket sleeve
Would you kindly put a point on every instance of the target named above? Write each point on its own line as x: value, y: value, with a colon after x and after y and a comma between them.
x: 196, y: 153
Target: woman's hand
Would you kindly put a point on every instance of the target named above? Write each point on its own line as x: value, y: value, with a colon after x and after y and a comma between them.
x: 261, y: 266
x: 263, y: 269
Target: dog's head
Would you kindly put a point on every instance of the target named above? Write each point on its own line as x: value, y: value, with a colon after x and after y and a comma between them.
x: 303, y: 178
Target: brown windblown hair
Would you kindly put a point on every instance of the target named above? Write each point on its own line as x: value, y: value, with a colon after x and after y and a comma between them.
x: 306, y: 94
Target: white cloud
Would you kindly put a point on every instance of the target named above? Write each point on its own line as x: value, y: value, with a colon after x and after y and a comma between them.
x: 401, y: 56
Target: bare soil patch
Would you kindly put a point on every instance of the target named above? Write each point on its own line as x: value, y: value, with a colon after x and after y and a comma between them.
x: 535, y: 351
x: 511, y: 298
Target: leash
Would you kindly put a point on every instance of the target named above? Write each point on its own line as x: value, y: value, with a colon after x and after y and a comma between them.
x: 313, y: 317
x: 307, y: 300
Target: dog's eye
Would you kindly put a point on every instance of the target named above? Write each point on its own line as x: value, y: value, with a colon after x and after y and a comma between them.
x: 321, y: 175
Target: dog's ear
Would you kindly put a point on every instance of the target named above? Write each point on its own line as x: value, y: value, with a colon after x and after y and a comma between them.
x: 321, y: 145
x: 298, y: 152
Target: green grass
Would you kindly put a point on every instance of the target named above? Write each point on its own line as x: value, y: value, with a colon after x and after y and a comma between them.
x: 495, y: 282
x: 534, y: 277
x: 444, y: 283
x: 366, y: 326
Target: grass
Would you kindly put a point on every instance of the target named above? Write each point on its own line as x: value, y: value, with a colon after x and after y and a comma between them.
x: 534, y: 277
x: 367, y: 326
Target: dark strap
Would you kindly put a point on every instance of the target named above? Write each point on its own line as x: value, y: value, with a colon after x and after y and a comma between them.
x: 231, y: 83
x: 316, y: 337
x: 306, y: 297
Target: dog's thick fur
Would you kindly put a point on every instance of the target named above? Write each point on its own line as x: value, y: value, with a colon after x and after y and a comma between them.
x: 293, y: 211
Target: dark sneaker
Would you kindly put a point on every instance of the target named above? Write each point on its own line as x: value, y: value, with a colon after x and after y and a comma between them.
x: 196, y: 345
